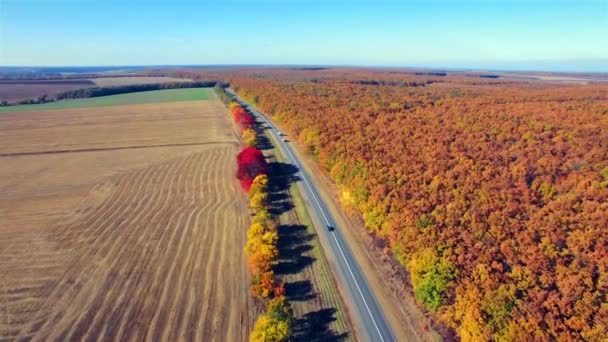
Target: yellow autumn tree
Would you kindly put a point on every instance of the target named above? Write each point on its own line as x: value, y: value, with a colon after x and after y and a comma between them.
x: 258, y: 193
x: 261, y: 248
x: 233, y: 105
x: 258, y: 201
x: 275, y: 324
x: 260, y: 183
x: 249, y: 137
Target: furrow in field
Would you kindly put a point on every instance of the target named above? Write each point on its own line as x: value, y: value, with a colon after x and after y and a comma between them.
x: 73, y: 280
x: 93, y: 253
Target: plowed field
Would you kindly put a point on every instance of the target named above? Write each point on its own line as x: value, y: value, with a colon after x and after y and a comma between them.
x: 122, y: 223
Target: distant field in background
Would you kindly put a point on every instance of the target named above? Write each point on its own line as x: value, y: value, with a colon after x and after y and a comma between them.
x: 15, y: 90
x: 121, y: 81
x: 122, y: 223
x: 155, y: 96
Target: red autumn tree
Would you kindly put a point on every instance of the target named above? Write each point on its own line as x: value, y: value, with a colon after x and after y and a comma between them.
x: 242, y: 118
x: 251, y: 163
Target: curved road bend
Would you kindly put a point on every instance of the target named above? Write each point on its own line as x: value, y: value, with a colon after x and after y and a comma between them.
x: 368, y: 315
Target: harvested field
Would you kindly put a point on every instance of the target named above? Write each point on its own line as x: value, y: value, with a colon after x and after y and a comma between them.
x: 121, y: 81
x: 134, y: 230
x: 154, y: 96
x: 14, y: 90
x: 134, y: 126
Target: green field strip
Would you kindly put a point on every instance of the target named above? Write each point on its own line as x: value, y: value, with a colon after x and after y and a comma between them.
x: 143, y: 97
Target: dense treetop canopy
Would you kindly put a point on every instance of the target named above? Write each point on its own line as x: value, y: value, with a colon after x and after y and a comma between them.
x: 492, y: 193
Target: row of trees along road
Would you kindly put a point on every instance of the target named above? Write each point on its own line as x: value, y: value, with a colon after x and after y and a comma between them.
x: 275, y: 324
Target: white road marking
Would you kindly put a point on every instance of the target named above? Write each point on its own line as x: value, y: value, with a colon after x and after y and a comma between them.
x: 333, y: 234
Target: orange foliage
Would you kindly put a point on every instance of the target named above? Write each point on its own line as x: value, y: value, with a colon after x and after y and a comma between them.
x: 494, y: 193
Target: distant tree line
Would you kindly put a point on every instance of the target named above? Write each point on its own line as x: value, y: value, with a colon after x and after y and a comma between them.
x: 221, y: 93
x: 489, y: 76
x: 395, y: 83
x: 106, y: 91
x: 431, y: 74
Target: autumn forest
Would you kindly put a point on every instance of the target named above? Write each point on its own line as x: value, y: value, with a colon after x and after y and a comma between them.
x: 492, y: 194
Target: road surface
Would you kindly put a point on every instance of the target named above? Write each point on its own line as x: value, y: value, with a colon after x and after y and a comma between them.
x: 363, y: 304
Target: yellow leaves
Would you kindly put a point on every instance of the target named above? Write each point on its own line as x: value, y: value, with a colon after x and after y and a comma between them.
x: 258, y: 193
x: 264, y: 218
x: 471, y: 328
x: 527, y: 136
x: 233, y: 105
x: 258, y: 201
x: 312, y: 140
x: 375, y: 218
x: 255, y: 230
x: 419, y: 262
x: 347, y: 199
x: 482, y: 273
x: 523, y: 277
x: 261, y: 248
x: 249, y: 137
x: 268, y: 329
x: 466, y: 310
x: 262, y: 237
x: 260, y: 184
x: 275, y: 324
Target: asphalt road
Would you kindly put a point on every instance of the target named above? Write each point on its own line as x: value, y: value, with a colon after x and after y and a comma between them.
x: 363, y: 304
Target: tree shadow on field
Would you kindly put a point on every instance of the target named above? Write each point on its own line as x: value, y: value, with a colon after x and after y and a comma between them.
x: 263, y: 141
x: 280, y: 177
x: 300, y: 291
x: 314, y: 326
x: 293, y: 244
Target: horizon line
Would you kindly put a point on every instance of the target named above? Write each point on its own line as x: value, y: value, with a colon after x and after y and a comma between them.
x: 372, y: 66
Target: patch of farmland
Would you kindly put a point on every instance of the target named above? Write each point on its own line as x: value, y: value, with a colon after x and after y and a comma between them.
x: 122, y: 81
x: 111, y: 243
x: 113, y: 127
x: 154, y: 96
x: 15, y: 90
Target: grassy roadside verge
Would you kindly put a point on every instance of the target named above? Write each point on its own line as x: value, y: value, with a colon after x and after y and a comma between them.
x: 323, y: 278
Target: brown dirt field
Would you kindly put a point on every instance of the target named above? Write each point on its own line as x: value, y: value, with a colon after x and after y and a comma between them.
x: 110, y: 242
x: 19, y: 90
x: 120, y: 81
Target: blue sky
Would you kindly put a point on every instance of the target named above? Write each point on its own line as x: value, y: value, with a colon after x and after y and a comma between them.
x: 533, y: 34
